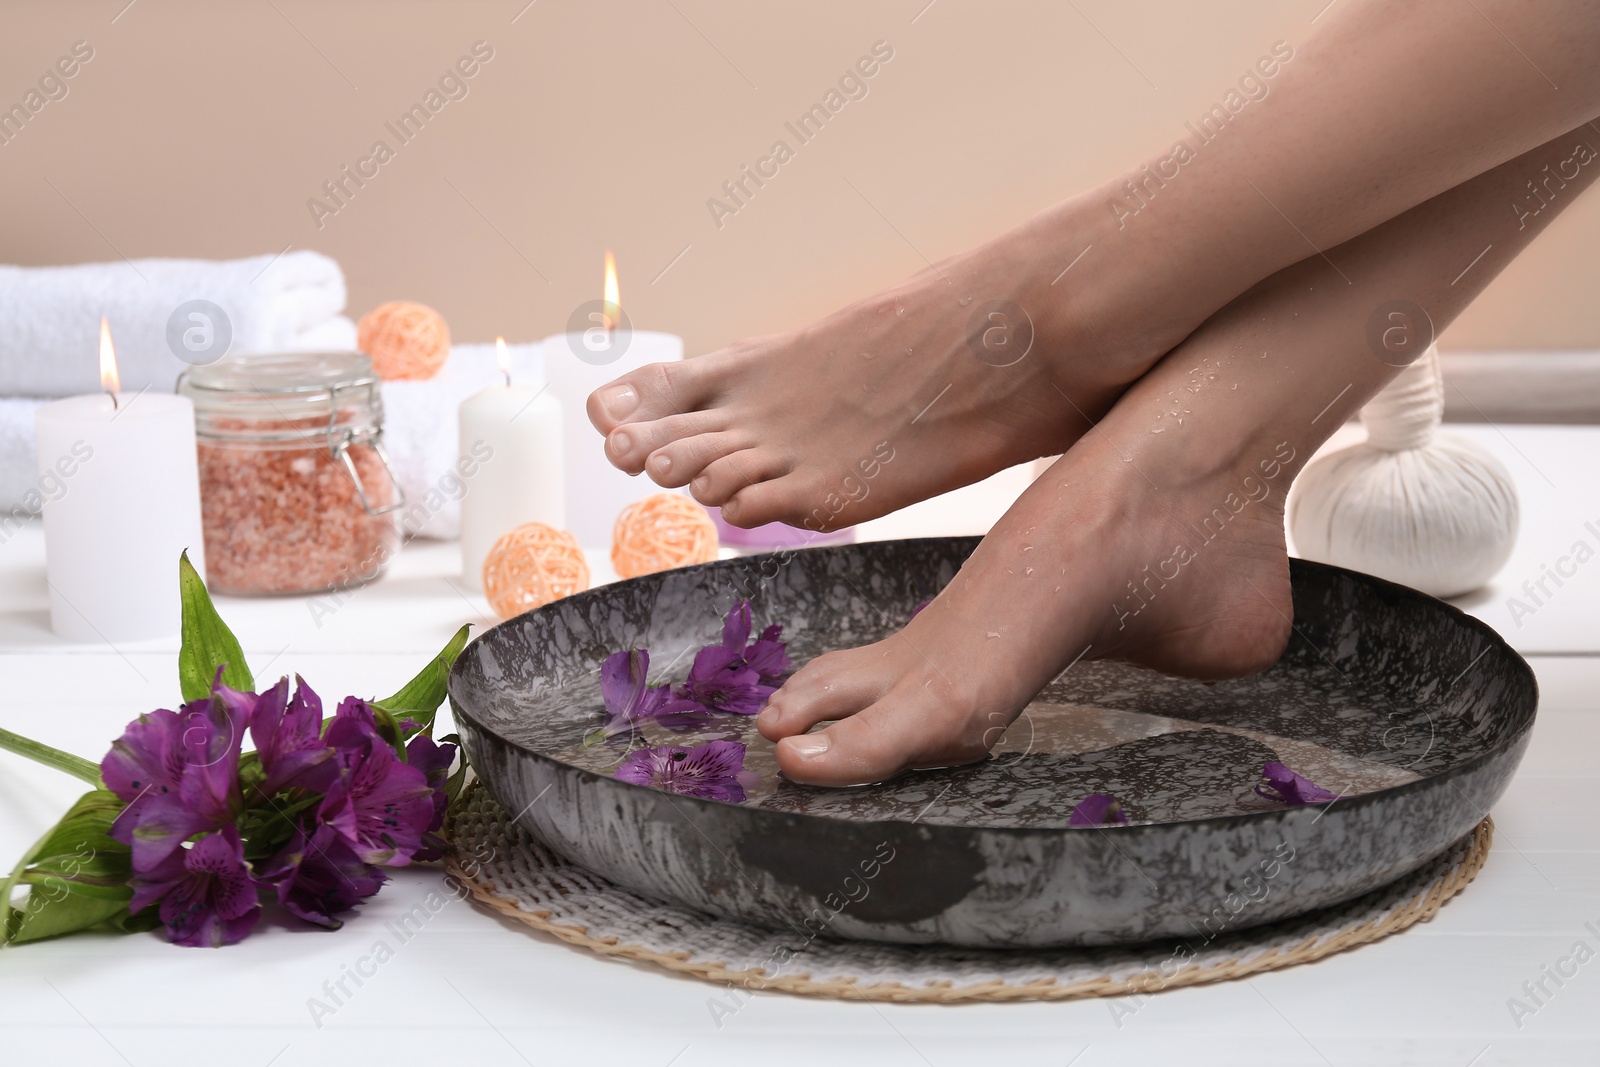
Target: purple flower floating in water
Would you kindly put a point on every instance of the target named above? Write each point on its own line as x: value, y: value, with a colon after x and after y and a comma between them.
x: 207, y: 895
x: 712, y: 771
x: 1097, y: 809
x: 630, y: 701
x: 721, y: 680
x: 734, y: 677
x: 178, y: 772
x: 318, y: 877
x: 1289, y: 787
x: 767, y: 655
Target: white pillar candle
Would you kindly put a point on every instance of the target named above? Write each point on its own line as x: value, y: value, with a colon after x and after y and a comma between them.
x: 596, y: 491
x: 126, y: 504
x: 511, y: 439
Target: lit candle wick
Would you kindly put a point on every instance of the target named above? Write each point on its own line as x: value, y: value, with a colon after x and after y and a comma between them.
x: 110, y: 381
x: 612, y: 298
x: 504, y: 358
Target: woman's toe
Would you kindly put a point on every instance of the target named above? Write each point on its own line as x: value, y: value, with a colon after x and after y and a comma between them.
x: 679, y: 462
x: 828, y: 687
x: 876, y: 743
x: 649, y: 393
x: 630, y: 445
x: 724, y: 477
x: 785, y: 499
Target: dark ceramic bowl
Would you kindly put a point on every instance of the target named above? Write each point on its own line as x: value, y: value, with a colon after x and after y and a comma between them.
x: 1415, y: 713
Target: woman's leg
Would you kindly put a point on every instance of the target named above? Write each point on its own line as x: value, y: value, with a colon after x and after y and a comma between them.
x: 1385, y: 105
x: 1158, y: 538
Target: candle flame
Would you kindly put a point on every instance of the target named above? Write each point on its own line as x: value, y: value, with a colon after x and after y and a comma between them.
x: 503, y: 358
x: 613, y: 302
x: 109, y: 381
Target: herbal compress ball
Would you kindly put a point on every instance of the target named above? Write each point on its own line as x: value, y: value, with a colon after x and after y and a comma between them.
x: 660, y: 532
x: 406, y: 341
x: 1433, y: 512
x: 531, y: 566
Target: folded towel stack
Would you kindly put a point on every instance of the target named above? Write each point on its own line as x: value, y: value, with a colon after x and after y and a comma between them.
x: 50, y: 323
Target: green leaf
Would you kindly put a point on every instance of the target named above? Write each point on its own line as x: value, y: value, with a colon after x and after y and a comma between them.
x: 452, y: 784
x: 85, y: 826
x: 207, y: 641
x: 66, y: 762
x: 389, y: 729
x: 77, y: 874
x: 46, y: 915
x: 102, y: 877
x: 419, y: 699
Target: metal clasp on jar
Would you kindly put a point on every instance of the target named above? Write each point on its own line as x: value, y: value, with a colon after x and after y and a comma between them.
x: 340, y: 438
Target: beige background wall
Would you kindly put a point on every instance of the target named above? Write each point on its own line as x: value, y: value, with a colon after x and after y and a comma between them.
x: 202, y: 128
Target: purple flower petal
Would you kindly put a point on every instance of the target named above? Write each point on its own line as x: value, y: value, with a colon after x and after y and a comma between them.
x: 207, y: 895
x: 622, y: 681
x: 721, y: 681
x: 1279, y: 783
x: 318, y: 877
x: 1098, y: 809
x: 146, y: 758
x: 769, y: 658
x: 156, y: 826
x: 629, y: 701
x: 711, y: 771
x: 433, y: 760
x: 379, y: 805
x: 353, y: 726
x: 179, y: 773
x: 919, y: 608
x: 662, y: 705
x: 736, y: 628
x: 766, y: 655
x: 288, y: 737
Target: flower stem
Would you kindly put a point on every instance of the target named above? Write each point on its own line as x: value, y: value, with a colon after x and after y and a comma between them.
x: 10, y: 884
x: 76, y: 766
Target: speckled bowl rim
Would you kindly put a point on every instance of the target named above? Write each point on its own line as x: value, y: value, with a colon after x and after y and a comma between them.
x: 1377, y: 796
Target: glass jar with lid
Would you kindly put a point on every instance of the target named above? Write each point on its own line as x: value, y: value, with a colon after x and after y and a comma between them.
x: 296, y: 492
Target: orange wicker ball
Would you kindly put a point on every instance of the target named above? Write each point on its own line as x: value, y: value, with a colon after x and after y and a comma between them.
x: 531, y: 566
x: 406, y: 341
x: 659, y: 532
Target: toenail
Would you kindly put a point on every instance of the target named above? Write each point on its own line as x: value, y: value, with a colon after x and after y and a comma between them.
x: 620, y: 443
x: 811, y: 746
x: 619, y: 401
x: 769, y: 717
x: 662, y: 464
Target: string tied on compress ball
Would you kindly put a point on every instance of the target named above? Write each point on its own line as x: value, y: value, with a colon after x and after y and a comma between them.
x: 1428, y: 510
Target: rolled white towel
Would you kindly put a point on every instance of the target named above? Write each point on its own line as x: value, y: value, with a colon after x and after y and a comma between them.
x: 50, y: 317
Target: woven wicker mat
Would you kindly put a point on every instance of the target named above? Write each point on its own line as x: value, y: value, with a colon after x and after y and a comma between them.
x: 510, y: 872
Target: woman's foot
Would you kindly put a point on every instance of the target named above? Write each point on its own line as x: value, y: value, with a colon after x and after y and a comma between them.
x: 992, y: 358
x: 1131, y: 547
x: 1158, y: 538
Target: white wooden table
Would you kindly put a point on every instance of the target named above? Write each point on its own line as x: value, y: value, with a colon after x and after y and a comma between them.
x: 472, y: 988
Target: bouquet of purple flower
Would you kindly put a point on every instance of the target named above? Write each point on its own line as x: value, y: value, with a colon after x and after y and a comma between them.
x: 186, y: 830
